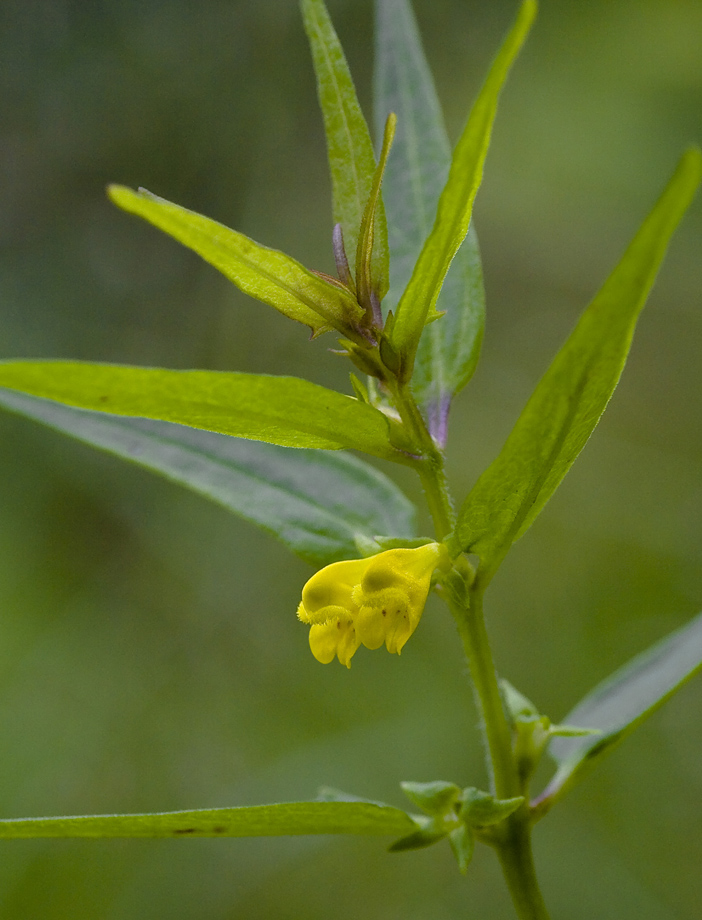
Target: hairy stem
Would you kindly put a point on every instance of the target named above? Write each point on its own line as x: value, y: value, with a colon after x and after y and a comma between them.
x: 513, y: 844
x: 464, y: 595
x: 471, y: 627
x: 431, y: 465
x: 517, y: 863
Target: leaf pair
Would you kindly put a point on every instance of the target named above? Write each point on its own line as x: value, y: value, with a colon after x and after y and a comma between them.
x: 616, y: 707
x: 322, y: 507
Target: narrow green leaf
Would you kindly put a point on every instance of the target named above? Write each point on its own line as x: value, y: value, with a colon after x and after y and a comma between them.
x: 349, y: 146
x: 449, y: 348
x: 263, y: 273
x: 622, y: 702
x: 284, y: 819
x: 570, y: 398
x: 456, y: 202
x: 415, y: 175
x: 318, y: 504
x: 280, y: 410
x: 365, y: 286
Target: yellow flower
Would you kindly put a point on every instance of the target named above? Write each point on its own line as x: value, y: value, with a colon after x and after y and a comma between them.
x: 368, y: 601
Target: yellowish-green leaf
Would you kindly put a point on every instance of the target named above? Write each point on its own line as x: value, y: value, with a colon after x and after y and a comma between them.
x: 283, y: 819
x: 570, y: 398
x: 280, y: 410
x: 266, y: 274
x: 349, y: 146
x: 456, y: 202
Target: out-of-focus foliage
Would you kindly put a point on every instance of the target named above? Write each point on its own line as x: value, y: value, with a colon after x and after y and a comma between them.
x: 150, y: 657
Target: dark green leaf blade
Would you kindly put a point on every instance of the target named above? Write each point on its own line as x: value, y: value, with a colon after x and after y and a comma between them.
x: 283, y: 819
x: 349, y: 146
x: 623, y: 701
x: 317, y: 503
x: 456, y: 202
x: 266, y: 274
x: 415, y: 175
x: 570, y: 398
x: 449, y: 348
x: 280, y: 410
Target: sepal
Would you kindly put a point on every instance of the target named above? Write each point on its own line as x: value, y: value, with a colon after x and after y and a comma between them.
x: 462, y: 842
x: 436, y: 799
x: 462, y: 815
x: 481, y: 809
x: 429, y: 831
x: 516, y: 704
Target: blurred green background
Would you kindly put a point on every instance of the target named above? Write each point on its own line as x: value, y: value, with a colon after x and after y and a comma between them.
x: 150, y: 657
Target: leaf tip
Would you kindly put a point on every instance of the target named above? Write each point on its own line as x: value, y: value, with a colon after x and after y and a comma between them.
x: 116, y: 192
x: 691, y: 161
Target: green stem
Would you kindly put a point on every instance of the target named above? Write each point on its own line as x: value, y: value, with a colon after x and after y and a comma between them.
x: 464, y: 595
x: 514, y: 844
x: 517, y: 863
x: 471, y: 627
x: 431, y: 465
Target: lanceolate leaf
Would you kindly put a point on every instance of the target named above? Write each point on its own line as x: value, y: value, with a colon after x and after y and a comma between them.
x: 570, y: 398
x: 449, y: 348
x: 416, y: 172
x: 284, y: 819
x: 266, y: 274
x: 349, y: 146
x: 317, y: 503
x: 365, y: 286
x: 456, y: 201
x: 280, y: 410
x: 622, y: 702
